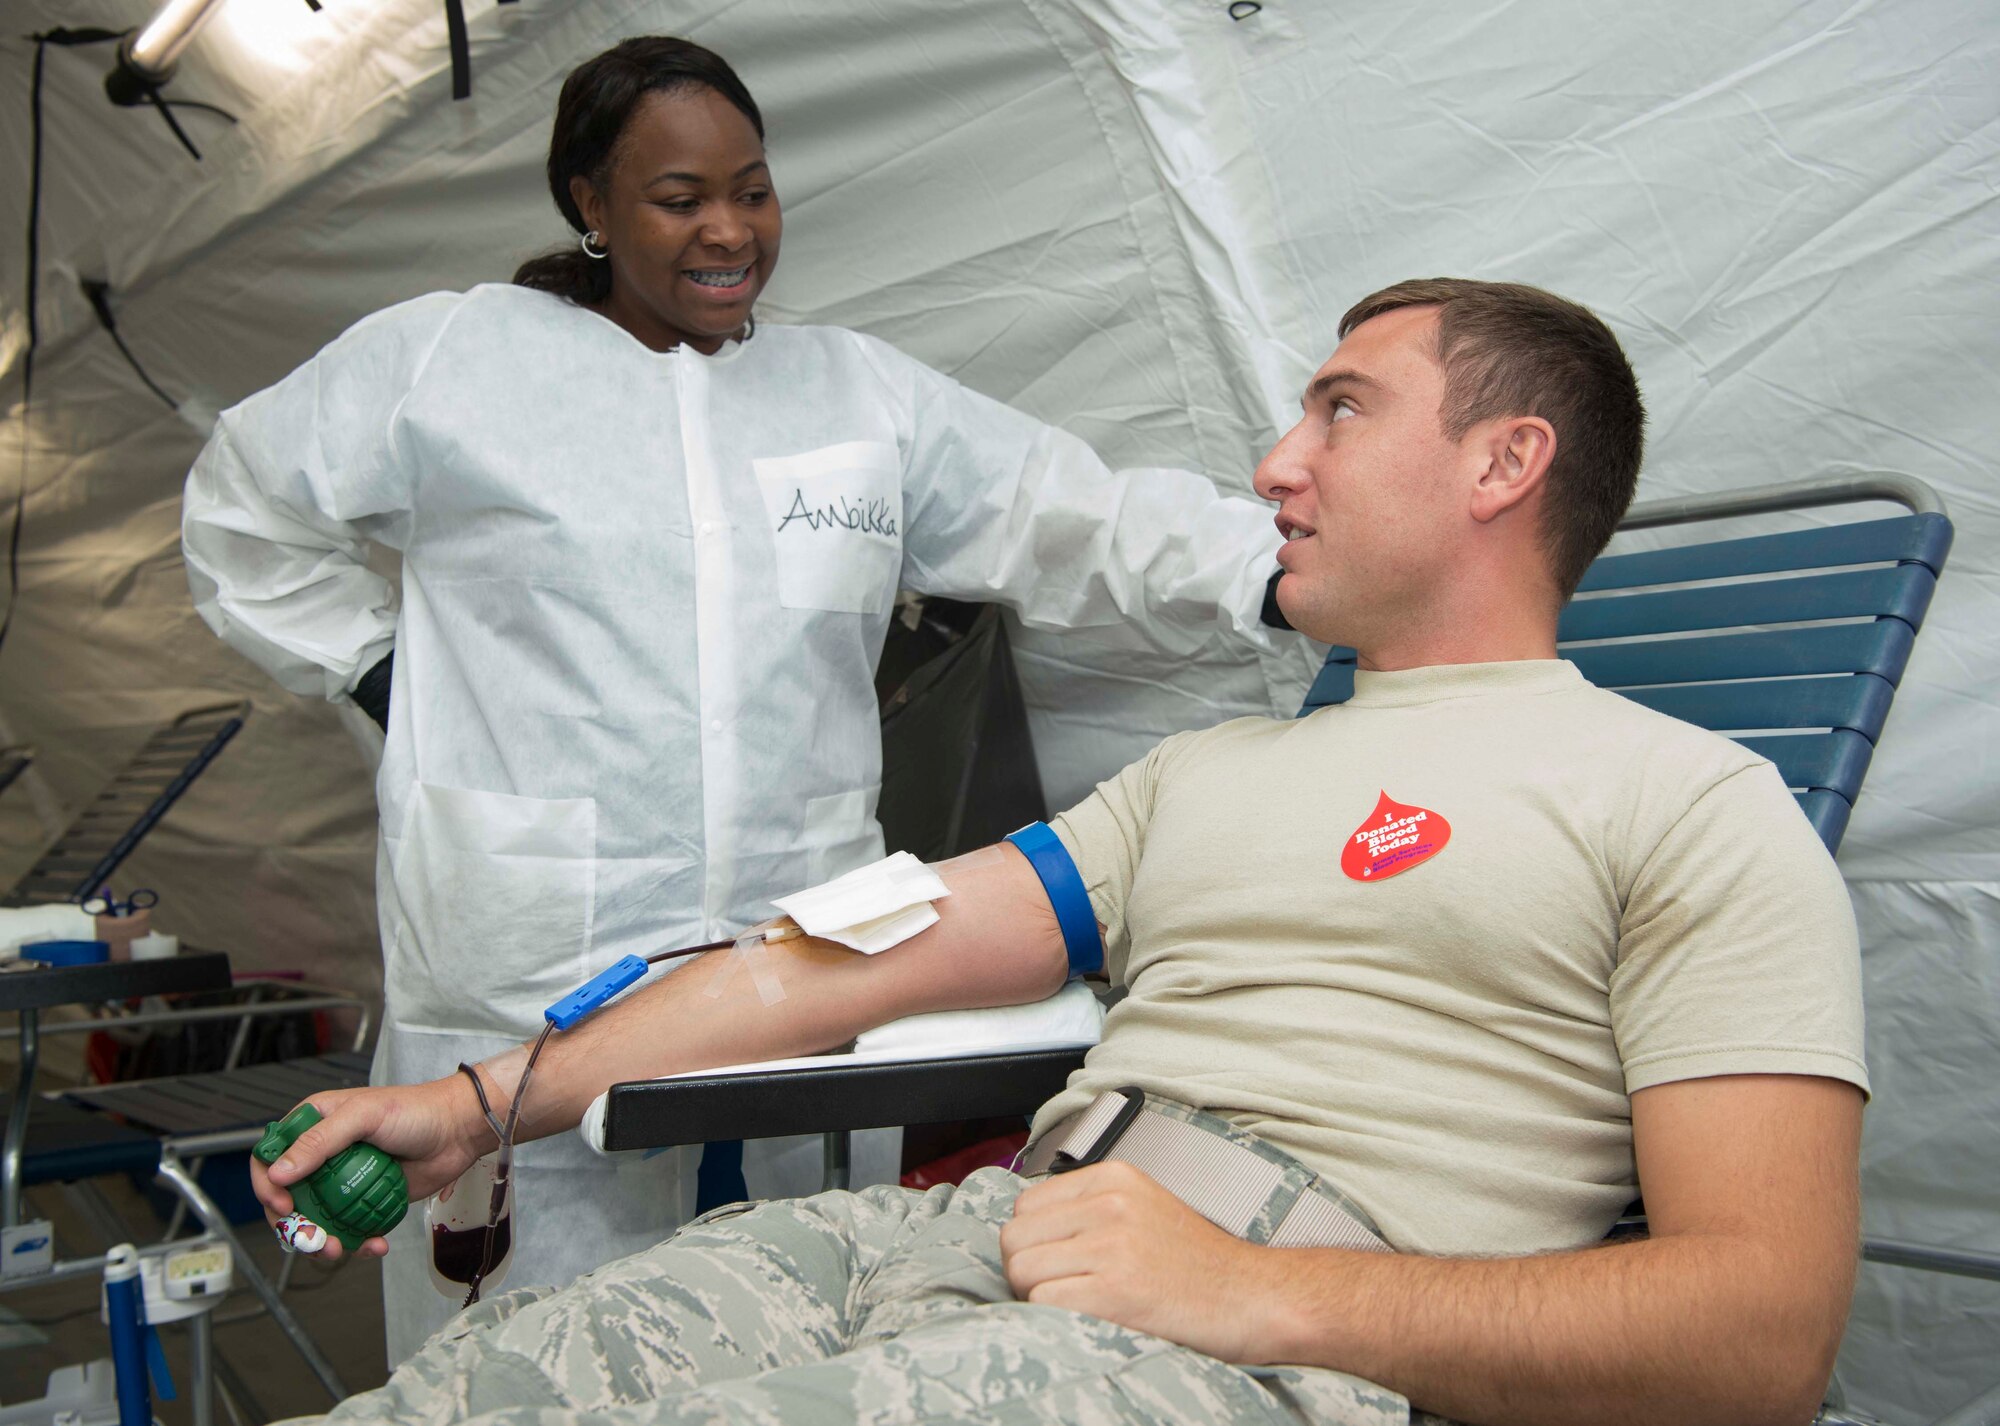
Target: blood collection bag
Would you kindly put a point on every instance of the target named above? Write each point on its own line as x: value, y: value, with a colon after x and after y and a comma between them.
x: 461, y: 1244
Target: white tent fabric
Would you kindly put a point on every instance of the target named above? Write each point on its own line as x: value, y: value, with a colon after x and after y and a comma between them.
x: 1141, y: 220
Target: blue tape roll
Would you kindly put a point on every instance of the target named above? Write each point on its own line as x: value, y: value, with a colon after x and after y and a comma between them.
x: 1064, y: 885
x: 67, y: 953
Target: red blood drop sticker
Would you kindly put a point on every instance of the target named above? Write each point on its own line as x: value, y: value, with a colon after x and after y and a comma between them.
x: 1395, y: 838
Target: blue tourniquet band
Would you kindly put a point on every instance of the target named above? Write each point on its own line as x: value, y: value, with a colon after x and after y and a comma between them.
x: 1064, y: 884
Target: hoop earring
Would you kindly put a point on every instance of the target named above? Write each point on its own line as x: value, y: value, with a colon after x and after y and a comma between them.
x: 599, y: 253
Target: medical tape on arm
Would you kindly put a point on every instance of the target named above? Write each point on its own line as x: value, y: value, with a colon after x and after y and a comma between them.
x: 748, y: 952
x: 1067, y: 895
x: 978, y: 859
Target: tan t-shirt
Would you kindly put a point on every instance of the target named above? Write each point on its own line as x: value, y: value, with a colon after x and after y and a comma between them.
x: 1428, y: 940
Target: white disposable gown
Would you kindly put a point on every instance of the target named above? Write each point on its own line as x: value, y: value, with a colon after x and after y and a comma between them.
x: 643, y: 595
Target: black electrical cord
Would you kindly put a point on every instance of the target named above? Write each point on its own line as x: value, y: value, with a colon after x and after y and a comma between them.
x: 127, y: 82
x: 128, y: 87
x: 459, y: 40
x: 160, y: 105
x: 166, y: 109
x: 34, y: 332
x: 203, y: 105
x: 99, y: 294
x: 65, y: 37
x: 460, y: 44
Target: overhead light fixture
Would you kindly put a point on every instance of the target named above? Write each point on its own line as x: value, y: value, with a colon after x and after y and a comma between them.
x: 146, y: 57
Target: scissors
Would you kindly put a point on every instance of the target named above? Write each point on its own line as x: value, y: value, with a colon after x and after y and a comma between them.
x: 105, y: 904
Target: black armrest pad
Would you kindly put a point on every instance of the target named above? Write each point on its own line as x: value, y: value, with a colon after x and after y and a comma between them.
x: 113, y: 980
x: 764, y: 1104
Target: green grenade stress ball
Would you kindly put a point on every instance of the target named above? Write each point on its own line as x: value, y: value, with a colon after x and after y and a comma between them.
x: 359, y: 1193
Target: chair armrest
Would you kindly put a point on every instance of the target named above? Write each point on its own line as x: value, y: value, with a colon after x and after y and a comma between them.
x: 762, y: 1103
x: 45, y: 988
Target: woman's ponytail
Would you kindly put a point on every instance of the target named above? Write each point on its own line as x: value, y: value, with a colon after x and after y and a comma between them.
x: 567, y: 273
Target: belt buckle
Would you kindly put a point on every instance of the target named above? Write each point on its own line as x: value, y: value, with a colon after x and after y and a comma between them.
x: 1135, y: 1101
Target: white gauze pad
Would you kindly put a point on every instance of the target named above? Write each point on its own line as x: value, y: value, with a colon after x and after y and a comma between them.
x: 873, y: 907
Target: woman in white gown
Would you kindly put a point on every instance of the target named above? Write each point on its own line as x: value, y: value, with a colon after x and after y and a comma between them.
x: 649, y: 553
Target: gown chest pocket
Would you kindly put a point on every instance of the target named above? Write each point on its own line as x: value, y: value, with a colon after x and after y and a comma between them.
x: 836, y: 517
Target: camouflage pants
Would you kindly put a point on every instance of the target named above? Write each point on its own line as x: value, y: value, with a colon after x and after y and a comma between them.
x: 885, y: 1306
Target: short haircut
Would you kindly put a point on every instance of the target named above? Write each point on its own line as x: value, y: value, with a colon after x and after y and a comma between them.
x: 1511, y: 350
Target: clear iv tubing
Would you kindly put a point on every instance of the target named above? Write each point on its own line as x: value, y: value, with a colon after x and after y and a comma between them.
x: 503, y: 1172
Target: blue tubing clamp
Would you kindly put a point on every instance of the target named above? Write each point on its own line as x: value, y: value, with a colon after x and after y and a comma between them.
x: 594, y: 993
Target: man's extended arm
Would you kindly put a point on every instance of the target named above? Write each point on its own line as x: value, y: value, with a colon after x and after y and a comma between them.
x: 1729, y: 1313
x: 996, y: 943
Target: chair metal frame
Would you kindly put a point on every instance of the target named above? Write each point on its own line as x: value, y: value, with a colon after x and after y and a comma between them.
x: 180, y: 1156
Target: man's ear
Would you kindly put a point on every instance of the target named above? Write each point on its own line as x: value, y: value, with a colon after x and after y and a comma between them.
x: 1518, y: 451
x: 587, y: 201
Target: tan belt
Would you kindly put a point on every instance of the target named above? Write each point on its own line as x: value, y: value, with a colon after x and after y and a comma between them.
x: 1241, y: 1185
